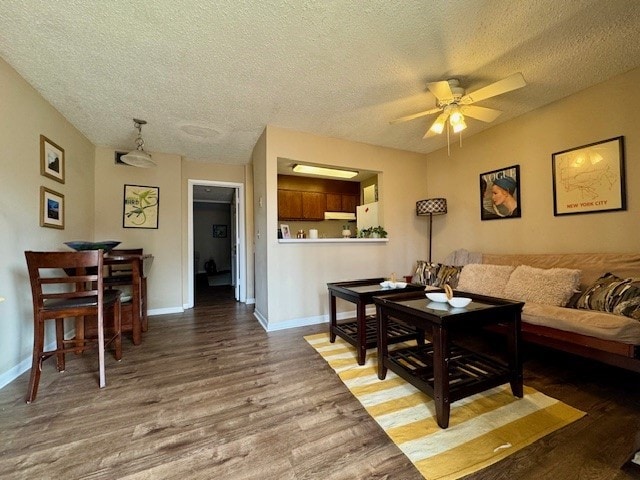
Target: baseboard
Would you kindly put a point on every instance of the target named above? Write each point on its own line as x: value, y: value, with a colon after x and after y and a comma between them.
x: 10, y: 375
x: 164, y: 311
x: 302, y: 321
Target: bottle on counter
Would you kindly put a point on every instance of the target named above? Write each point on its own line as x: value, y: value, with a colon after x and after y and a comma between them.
x: 301, y: 234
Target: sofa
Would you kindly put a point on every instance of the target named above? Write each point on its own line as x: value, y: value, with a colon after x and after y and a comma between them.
x: 585, y: 304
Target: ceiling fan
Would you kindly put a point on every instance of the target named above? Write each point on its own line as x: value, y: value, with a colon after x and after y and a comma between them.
x: 454, y: 104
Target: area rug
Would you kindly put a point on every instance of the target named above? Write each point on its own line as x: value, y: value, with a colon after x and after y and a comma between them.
x: 483, y: 428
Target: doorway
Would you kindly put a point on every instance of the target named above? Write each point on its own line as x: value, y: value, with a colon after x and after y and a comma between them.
x: 216, y: 236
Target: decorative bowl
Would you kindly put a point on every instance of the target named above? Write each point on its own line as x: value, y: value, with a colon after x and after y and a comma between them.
x: 390, y: 284
x: 79, y: 245
x: 437, y: 296
x: 459, y: 302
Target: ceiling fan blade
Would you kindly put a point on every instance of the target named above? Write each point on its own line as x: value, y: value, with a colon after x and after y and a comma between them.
x: 505, y: 85
x: 415, y: 115
x: 480, y: 113
x: 441, y: 90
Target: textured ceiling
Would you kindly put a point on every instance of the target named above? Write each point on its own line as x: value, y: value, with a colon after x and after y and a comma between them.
x: 208, y: 76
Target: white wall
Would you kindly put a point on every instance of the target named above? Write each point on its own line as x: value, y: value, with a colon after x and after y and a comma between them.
x: 25, y: 116
x: 598, y: 113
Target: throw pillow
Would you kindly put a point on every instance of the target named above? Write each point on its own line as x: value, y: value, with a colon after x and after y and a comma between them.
x: 426, y: 273
x: 485, y: 279
x: 447, y: 275
x: 548, y: 286
x: 613, y: 294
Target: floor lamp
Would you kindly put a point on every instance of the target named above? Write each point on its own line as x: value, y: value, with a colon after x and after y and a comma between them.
x: 431, y: 207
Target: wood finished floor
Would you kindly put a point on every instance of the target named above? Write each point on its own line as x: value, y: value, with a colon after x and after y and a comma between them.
x: 209, y: 394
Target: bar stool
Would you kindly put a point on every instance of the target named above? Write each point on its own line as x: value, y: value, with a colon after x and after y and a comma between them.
x: 78, y: 293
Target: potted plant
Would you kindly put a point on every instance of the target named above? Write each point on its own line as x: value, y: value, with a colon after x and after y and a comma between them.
x: 364, y: 233
x: 378, y: 232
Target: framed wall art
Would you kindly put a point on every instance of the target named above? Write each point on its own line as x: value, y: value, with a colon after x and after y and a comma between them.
x: 500, y: 193
x: 51, y: 208
x: 51, y: 160
x: 220, y: 231
x: 140, y: 206
x: 286, y: 232
x: 589, y: 179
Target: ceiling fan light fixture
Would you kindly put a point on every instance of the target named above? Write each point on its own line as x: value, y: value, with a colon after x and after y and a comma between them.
x: 438, y: 125
x: 456, y: 115
x: 138, y: 157
x: 459, y: 126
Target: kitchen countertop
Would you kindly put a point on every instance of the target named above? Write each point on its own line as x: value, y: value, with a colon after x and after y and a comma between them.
x: 333, y: 240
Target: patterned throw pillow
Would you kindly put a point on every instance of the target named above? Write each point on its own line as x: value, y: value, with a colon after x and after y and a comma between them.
x: 436, y: 274
x: 448, y: 275
x: 610, y: 293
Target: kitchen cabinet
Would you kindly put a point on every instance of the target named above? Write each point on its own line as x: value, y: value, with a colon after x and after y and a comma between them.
x: 289, y: 205
x: 294, y: 205
x: 302, y: 198
x: 341, y: 203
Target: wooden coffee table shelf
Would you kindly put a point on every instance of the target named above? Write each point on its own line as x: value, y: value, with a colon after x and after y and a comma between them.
x: 396, y: 332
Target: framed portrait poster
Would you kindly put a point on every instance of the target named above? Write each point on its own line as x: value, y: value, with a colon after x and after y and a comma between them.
x: 51, y: 160
x: 51, y: 208
x: 590, y: 178
x: 500, y: 193
x: 140, y: 206
x: 220, y: 231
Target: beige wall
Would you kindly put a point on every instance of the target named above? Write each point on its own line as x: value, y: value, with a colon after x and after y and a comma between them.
x: 258, y: 238
x: 164, y: 286
x: 25, y: 116
x: 598, y: 113
x: 297, y: 273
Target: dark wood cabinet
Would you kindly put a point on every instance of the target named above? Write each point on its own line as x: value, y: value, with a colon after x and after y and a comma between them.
x: 313, y: 205
x: 302, y: 198
x: 289, y: 205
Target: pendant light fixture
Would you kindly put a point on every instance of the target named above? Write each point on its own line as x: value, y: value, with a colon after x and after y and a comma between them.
x: 138, y: 157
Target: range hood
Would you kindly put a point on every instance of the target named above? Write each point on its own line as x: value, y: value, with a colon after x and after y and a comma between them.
x: 339, y: 216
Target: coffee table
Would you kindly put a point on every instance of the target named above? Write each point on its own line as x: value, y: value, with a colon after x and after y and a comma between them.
x: 443, y: 370
x: 361, y: 332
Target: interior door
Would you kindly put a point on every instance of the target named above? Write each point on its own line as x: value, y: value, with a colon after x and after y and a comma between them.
x: 235, y: 241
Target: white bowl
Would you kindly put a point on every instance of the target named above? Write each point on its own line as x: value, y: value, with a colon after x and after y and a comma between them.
x: 437, y: 296
x: 459, y: 302
x: 390, y: 284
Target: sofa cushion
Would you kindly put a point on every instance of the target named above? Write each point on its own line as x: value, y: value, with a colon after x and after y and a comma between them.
x: 613, y: 294
x: 448, y: 275
x: 485, y: 279
x: 549, y: 286
x: 592, y: 323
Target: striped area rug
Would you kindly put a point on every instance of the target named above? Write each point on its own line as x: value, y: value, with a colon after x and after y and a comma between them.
x: 483, y: 428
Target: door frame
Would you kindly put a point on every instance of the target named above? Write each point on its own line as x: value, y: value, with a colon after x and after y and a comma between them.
x: 241, y: 276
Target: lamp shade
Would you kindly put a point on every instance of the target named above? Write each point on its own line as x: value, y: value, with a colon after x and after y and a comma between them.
x: 431, y: 206
x: 138, y: 158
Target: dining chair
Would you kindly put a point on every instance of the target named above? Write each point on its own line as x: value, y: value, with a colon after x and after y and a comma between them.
x: 68, y: 285
x: 121, y: 275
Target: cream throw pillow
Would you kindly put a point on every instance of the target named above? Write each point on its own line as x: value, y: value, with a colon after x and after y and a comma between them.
x: 485, y: 279
x: 550, y: 286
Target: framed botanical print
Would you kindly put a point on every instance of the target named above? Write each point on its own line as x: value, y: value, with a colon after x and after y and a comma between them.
x: 589, y: 179
x: 140, y: 206
x: 500, y: 193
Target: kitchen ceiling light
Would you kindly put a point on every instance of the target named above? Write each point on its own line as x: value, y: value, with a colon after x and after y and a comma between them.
x: 138, y: 157
x: 327, y: 172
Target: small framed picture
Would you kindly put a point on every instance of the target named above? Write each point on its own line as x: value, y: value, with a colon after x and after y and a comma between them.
x: 51, y: 160
x: 500, y: 193
x: 51, y: 208
x: 286, y: 233
x: 220, y: 231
